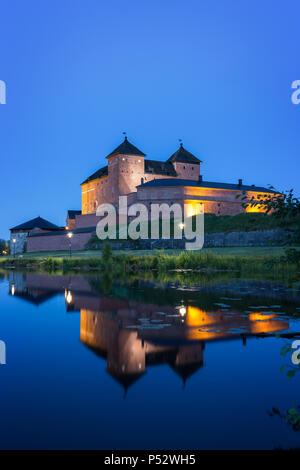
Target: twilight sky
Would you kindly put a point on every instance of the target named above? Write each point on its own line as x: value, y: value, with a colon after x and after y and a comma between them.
x: 78, y: 73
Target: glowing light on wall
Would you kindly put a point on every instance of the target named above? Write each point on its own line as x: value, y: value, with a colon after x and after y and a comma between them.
x: 266, y: 323
x: 69, y: 297
x: 192, y: 208
x: 258, y: 208
x: 261, y: 316
x: 198, y: 317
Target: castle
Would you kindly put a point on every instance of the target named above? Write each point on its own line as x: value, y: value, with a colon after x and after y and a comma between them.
x: 129, y: 172
x: 128, y: 168
x: 178, y: 179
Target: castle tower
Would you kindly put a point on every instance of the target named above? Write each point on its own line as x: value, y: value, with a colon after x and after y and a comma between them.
x: 186, y: 165
x: 126, y: 168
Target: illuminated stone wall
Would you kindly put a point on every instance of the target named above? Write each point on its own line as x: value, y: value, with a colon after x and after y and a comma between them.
x: 125, y: 173
x: 216, y: 201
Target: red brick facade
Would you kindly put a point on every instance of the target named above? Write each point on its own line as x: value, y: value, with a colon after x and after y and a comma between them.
x: 57, y: 241
x: 127, y: 171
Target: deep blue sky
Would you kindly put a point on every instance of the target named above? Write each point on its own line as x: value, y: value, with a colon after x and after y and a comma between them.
x: 80, y: 72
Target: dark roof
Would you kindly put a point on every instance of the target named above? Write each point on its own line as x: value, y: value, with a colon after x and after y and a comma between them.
x: 38, y: 222
x: 186, y: 370
x: 35, y: 297
x: 126, y: 148
x: 183, y: 156
x: 72, y: 214
x: 206, y: 184
x: 159, y: 168
x: 98, y: 174
x: 126, y: 380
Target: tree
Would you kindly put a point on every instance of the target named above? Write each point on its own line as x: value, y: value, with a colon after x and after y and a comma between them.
x: 4, y: 248
x: 107, y: 254
x: 282, y: 205
x: 291, y: 415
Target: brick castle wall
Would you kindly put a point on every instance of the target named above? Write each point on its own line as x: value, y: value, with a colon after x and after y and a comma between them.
x: 57, y: 242
x: 125, y: 173
x: 187, y: 171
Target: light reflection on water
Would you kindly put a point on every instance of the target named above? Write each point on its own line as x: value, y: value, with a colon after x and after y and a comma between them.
x: 211, y: 335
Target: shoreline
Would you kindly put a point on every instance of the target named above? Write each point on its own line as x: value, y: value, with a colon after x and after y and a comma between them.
x: 182, y: 262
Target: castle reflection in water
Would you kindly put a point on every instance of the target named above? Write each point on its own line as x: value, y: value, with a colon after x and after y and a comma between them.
x: 134, y: 332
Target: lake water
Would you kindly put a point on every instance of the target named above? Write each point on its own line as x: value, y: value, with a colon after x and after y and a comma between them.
x: 174, y: 363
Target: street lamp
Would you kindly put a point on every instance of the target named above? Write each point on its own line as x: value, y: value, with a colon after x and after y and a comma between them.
x: 14, y: 242
x: 182, y: 310
x: 68, y: 296
x: 181, y: 225
x: 70, y: 235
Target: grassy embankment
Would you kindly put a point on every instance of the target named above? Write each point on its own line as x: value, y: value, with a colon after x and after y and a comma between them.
x: 231, y: 251
x: 243, y: 260
x: 245, y: 222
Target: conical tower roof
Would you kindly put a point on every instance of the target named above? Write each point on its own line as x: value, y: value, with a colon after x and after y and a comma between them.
x: 183, y: 156
x: 126, y: 148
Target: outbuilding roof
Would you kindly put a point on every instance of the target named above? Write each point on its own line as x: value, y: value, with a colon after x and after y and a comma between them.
x: 38, y: 222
